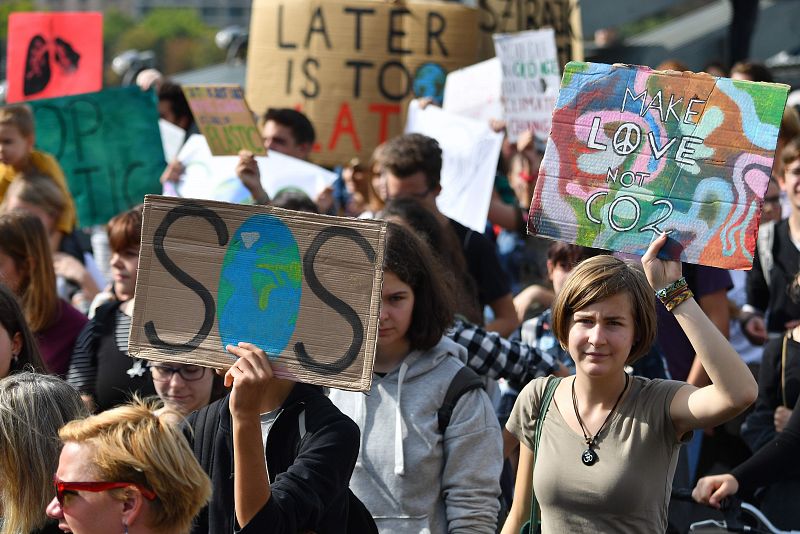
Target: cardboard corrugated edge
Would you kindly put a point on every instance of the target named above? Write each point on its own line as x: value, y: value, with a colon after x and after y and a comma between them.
x: 371, y: 328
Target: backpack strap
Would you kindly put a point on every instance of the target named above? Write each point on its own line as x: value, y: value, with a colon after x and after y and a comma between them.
x: 547, y: 396
x: 465, y: 380
x: 203, y: 440
x: 766, y: 237
x: 467, y: 238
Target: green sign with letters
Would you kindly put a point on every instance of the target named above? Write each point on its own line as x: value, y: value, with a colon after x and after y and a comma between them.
x: 108, y: 145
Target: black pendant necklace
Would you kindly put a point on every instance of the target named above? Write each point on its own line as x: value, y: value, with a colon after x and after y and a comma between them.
x: 589, y: 456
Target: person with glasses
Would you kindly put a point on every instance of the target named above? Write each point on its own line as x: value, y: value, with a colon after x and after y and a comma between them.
x: 33, y: 407
x: 185, y: 388
x: 127, y: 470
x: 411, y: 167
x: 770, y: 311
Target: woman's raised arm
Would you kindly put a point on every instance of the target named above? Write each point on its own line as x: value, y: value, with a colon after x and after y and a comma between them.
x: 732, y: 388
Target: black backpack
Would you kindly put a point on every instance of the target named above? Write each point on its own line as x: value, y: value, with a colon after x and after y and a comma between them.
x: 465, y: 380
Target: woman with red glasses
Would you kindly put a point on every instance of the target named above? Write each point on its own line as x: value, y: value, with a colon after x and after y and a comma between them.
x: 127, y: 470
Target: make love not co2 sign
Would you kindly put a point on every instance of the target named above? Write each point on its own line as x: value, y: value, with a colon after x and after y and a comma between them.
x: 635, y: 152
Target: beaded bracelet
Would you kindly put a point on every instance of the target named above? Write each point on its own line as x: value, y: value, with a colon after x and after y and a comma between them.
x: 674, y: 294
x: 674, y: 288
x: 678, y: 299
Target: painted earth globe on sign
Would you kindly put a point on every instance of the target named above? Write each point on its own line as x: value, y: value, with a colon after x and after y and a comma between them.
x: 260, y: 285
x: 429, y: 82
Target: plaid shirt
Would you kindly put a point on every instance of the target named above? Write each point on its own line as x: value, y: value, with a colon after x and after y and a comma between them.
x: 492, y: 355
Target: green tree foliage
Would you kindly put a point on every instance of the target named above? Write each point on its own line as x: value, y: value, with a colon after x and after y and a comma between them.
x: 178, y: 37
x: 10, y: 6
x: 6, y: 8
x: 115, y: 23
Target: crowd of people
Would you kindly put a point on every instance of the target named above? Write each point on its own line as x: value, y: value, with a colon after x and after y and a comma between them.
x: 516, y: 380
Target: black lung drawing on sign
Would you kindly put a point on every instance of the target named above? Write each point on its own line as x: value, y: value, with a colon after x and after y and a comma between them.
x: 37, y: 66
x: 66, y: 56
x: 37, y: 63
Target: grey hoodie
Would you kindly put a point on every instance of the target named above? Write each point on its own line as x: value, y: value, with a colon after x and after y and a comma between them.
x: 413, y: 479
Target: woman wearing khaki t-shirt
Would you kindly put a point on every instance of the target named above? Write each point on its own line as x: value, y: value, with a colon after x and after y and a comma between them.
x: 609, y: 442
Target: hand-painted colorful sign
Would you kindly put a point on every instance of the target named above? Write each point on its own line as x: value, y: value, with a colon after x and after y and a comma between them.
x: 109, y: 146
x: 54, y: 54
x: 223, y: 117
x: 634, y: 152
x: 305, y: 288
x: 530, y: 81
x: 353, y: 65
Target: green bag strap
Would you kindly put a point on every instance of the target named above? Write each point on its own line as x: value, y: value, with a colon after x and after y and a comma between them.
x: 549, y: 391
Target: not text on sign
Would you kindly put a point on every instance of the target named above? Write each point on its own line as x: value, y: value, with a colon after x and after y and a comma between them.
x: 628, y: 138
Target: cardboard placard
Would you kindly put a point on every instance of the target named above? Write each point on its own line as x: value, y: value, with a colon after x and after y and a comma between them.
x: 475, y: 91
x: 353, y: 65
x: 506, y: 16
x: 214, y: 177
x: 634, y: 152
x: 108, y: 145
x: 470, y: 150
x: 530, y: 81
x: 305, y: 288
x: 223, y: 117
x: 54, y: 54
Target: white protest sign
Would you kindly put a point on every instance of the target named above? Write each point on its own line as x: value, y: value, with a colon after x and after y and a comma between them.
x: 214, y: 177
x: 279, y: 171
x: 470, y: 150
x: 475, y: 91
x: 531, y: 80
x: 171, y: 138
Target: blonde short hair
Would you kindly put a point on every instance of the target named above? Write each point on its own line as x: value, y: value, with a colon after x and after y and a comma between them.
x: 602, y: 277
x: 19, y: 116
x: 132, y: 444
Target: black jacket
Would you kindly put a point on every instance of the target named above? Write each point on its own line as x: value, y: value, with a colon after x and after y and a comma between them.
x: 309, y: 472
x: 759, y: 426
x: 774, y: 299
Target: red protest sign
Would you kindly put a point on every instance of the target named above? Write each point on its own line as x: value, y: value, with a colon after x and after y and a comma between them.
x: 54, y: 54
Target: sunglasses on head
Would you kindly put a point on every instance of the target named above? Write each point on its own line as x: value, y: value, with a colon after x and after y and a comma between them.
x: 63, y: 486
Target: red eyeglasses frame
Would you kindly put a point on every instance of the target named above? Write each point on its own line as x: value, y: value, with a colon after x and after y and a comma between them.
x: 97, y: 487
